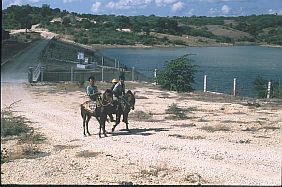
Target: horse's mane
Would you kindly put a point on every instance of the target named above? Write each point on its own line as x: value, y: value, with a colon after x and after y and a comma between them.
x: 107, y: 96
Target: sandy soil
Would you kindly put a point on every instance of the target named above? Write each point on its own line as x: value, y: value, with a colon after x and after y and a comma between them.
x: 246, y: 149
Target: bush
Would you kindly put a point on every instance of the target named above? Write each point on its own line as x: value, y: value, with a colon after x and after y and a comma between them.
x: 177, y: 113
x: 12, y: 125
x: 261, y: 85
x: 177, y: 75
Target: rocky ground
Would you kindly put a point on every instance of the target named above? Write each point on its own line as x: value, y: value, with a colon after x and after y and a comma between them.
x: 218, y: 140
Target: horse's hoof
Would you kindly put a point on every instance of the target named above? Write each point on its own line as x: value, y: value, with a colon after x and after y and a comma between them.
x: 113, y: 129
x: 89, y: 134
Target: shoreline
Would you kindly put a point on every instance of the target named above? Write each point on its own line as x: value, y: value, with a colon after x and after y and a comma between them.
x: 114, y: 46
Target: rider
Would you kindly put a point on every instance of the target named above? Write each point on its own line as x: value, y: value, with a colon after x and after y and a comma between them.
x: 114, y: 81
x: 92, y: 92
x: 119, y: 89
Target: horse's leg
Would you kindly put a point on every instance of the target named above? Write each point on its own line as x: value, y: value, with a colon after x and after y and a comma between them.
x: 104, y: 126
x: 118, y: 115
x: 87, y: 120
x: 102, y: 123
x: 125, y: 119
x: 84, y: 123
x: 83, y: 115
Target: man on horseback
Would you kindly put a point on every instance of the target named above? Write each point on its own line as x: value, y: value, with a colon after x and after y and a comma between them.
x: 92, y: 92
x: 119, y: 89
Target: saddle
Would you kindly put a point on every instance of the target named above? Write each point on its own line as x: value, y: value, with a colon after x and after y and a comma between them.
x: 92, y: 105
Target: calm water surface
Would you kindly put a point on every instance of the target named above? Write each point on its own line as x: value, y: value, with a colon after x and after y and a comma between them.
x: 220, y: 64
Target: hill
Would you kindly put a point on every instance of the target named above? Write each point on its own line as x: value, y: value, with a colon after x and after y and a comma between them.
x: 147, y: 30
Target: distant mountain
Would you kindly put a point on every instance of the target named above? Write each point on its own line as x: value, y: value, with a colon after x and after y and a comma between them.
x: 147, y: 30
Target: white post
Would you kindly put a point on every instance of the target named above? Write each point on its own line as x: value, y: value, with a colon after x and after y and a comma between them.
x: 234, y: 86
x: 102, y: 69
x: 118, y: 64
x: 115, y: 63
x: 205, y: 83
x: 268, y: 90
x: 71, y: 74
x: 155, y: 76
x: 132, y: 73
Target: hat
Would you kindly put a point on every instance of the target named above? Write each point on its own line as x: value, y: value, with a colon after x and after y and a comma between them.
x: 114, y: 80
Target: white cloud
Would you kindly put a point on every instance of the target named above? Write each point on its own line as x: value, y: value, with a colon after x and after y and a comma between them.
x: 191, y: 12
x: 96, y: 6
x: 177, y: 6
x: 15, y: 2
x: 271, y: 11
x: 162, y: 3
x: 128, y: 4
x: 213, y: 11
x: 69, y: 1
x: 225, y: 9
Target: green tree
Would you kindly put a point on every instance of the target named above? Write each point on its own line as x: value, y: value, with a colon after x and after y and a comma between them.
x: 177, y: 75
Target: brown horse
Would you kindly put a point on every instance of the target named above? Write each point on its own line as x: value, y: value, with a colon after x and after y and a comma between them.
x: 103, y: 108
x: 125, y: 105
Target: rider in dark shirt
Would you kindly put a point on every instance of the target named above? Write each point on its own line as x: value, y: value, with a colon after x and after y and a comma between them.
x: 119, y: 88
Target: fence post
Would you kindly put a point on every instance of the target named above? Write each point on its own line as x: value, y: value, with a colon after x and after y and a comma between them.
x: 205, y: 83
x: 155, y: 76
x: 102, y: 69
x: 118, y: 64
x: 268, y: 90
x: 132, y: 73
x: 71, y: 74
x: 30, y: 74
x: 42, y: 73
x: 234, y: 86
x: 115, y: 63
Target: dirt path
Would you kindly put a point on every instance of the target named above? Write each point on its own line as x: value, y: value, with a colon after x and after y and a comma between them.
x: 158, y: 150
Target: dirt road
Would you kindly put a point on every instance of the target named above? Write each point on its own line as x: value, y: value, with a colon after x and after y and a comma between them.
x: 158, y: 150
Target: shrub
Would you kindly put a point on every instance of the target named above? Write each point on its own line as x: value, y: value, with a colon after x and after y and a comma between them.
x: 261, y: 84
x: 177, y: 75
x: 12, y: 125
x: 177, y: 112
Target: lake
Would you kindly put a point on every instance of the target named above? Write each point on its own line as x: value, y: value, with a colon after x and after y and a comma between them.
x: 220, y: 64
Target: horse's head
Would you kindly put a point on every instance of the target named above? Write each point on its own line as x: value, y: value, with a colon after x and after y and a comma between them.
x: 130, y: 98
x: 107, y: 97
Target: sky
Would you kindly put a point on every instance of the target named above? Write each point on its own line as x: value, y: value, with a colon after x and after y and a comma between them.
x: 163, y: 8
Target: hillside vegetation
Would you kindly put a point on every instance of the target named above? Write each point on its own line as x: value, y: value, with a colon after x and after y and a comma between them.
x: 147, y: 30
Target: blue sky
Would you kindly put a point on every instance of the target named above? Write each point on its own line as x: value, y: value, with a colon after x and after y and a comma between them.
x: 160, y: 7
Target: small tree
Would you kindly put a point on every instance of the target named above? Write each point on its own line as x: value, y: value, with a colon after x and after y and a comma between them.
x: 177, y: 75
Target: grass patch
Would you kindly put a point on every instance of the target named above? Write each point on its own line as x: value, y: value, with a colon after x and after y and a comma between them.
x: 155, y: 171
x: 88, y: 154
x: 11, y: 124
x: 194, y: 178
x: 187, y: 137
x: 215, y: 128
x: 184, y: 125
x: 16, y: 127
x: 176, y: 112
x: 141, y: 116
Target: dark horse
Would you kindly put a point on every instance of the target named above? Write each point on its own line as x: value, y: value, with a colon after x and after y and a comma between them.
x: 125, y: 105
x: 103, y: 108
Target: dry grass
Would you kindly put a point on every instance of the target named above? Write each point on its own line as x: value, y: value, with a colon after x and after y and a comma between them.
x: 187, y: 137
x: 215, y: 128
x: 87, y: 154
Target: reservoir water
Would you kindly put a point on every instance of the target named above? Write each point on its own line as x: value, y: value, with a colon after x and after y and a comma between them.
x: 220, y: 64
